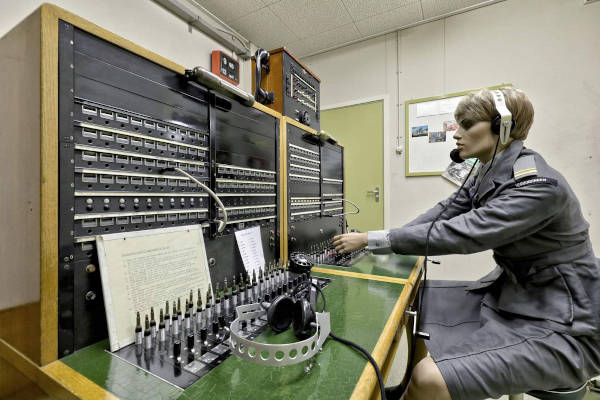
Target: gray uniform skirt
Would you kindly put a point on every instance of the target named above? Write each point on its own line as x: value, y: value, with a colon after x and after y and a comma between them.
x: 483, y: 353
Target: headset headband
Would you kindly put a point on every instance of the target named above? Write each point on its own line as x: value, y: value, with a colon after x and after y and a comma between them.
x: 268, y: 354
x: 506, y: 120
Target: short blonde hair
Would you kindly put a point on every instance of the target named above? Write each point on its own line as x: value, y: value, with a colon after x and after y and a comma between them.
x: 479, y: 106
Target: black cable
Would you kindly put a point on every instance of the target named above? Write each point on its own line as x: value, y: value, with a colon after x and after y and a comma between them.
x: 322, y: 295
x: 401, y: 388
x: 368, y: 356
x: 303, y: 284
x: 355, y: 346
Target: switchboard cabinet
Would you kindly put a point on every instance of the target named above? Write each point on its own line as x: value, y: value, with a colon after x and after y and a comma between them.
x: 92, y: 126
x: 314, y: 189
x: 92, y: 129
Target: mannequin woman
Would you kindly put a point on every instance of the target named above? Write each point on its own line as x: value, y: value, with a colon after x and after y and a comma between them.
x: 533, y: 322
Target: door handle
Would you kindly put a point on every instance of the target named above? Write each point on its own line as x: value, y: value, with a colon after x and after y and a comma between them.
x: 375, y: 192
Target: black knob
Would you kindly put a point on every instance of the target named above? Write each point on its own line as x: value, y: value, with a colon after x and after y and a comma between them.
x: 190, y: 341
x: 304, y: 117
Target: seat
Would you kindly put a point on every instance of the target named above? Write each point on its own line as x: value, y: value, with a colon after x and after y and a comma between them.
x: 557, y: 394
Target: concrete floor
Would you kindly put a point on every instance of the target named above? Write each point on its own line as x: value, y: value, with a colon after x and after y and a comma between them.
x: 399, y: 367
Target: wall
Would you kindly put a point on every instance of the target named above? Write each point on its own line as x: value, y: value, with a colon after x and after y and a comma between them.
x: 144, y: 22
x: 548, y: 48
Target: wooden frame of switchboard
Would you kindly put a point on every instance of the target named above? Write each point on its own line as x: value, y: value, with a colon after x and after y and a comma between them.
x: 46, y: 20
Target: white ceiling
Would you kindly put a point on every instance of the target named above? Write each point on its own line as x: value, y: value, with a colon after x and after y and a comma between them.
x: 308, y: 27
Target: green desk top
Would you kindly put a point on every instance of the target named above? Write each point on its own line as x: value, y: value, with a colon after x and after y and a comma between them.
x: 332, y: 374
x: 392, y: 265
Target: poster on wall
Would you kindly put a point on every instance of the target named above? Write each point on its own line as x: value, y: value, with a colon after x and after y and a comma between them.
x: 429, y: 134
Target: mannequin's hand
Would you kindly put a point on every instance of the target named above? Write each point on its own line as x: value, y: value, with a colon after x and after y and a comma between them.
x: 349, y: 242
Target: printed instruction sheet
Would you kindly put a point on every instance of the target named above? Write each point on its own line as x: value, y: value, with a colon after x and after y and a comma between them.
x: 250, y: 244
x: 144, y: 269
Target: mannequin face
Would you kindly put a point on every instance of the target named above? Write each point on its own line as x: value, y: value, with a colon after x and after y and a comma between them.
x: 476, y: 142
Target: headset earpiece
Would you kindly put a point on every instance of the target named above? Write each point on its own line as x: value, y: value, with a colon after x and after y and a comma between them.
x: 281, y: 313
x: 285, y: 311
x: 495, y: 125
x: 304, y: 316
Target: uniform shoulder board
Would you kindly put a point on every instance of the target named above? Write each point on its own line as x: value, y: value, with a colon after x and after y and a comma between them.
x: 524, y: 167
x: 536, y: 180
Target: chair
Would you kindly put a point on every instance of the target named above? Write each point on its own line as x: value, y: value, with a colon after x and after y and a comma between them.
x: 556, y: 394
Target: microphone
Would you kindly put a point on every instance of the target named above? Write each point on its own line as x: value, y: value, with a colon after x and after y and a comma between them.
x: 455, y: 156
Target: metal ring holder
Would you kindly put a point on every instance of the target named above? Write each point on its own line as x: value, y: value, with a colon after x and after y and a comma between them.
x: 275, y: 355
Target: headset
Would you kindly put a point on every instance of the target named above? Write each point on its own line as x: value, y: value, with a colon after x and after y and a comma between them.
x: 501, y: 125
x: 296, y: 310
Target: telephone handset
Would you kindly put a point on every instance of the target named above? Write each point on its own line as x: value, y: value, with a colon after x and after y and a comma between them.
x: 262, y: 59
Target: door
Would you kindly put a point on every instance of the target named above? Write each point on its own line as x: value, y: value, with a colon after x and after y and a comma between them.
x: 359, y: 128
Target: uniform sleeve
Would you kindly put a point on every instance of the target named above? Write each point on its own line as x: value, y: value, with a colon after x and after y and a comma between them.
x: 461, y: 205
x: 515, y: 213
x: 379, y: 242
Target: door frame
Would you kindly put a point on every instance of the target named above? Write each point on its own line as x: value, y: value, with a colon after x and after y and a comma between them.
x: 387, y: 177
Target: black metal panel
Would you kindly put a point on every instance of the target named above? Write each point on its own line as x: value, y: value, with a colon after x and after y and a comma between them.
x: 300, y: 86
x: 244, y: 142
x: 296, y: 186
x: 315, y: 232
x: 332, y: 161
x: 66, y: 265
x: 107, y: 93
x: 111, y: 75
x: 245, y: 137
x: 314, y: 206
x: 227, y: 260
x: 90, y: 325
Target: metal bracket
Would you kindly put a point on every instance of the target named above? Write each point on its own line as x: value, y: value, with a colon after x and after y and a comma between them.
x: 275, y: 355
x: 417, y: 334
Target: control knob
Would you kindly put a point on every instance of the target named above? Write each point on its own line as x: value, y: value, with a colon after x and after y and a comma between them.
x: 304, y: 117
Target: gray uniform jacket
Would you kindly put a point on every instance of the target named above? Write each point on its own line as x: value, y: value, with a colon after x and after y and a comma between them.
x: 546, y: 269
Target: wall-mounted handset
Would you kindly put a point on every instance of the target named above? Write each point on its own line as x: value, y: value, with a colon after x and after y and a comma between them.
x: 262, y: 62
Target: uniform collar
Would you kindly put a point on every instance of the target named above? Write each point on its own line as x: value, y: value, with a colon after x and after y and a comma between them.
x: 502, y: 169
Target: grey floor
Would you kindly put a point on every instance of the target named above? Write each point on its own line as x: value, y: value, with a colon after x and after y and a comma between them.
x: 399, y: 366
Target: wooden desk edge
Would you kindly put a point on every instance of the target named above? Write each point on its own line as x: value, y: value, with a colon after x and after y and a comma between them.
x: 367, y: 382
x: 76, y: 383
x: 56, y: 379
x: 361, y: 275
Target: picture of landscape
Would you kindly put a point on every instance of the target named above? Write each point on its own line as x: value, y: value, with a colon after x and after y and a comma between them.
x: 437, y: 137
x: 417, y: 131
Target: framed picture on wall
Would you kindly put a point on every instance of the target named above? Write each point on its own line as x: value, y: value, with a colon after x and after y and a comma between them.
x: 429, y: 131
